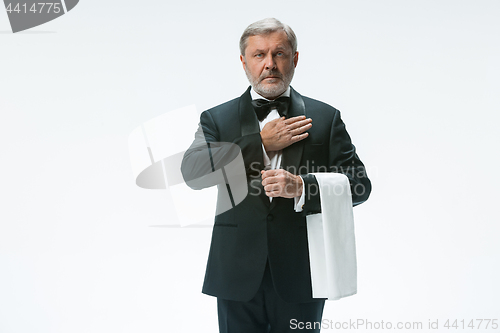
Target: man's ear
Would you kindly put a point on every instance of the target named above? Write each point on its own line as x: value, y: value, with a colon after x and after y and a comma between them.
x: 295, y: 59
x: 242, y: 58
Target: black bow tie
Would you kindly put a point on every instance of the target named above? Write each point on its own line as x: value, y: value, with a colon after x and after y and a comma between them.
x: 263, y: 107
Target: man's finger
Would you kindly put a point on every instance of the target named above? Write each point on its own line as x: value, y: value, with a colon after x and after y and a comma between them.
x: 301, y: 129
x: 270, y: 173
x: 294, y: 119
x: 273, y: 193
x: 269, y: 180
x: 300, y: 123
x: 299, y: 137
x: 272, y: 188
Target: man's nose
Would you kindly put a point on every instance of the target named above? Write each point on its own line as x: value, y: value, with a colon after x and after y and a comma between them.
x: 270, y: 63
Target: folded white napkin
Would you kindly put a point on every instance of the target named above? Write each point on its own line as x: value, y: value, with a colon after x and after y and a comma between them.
x: 332, y: 249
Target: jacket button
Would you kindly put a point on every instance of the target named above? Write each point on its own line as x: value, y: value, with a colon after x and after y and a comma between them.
x: 270, y: 217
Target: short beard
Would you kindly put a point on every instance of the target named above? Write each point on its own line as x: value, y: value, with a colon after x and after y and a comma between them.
x: 275, y: 90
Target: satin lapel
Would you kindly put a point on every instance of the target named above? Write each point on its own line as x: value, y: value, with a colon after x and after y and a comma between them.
x: 292, y: 154
x: 248, y: 120
x: 250, y: 125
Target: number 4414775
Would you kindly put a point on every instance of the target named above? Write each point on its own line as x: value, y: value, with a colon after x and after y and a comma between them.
x: 41, y: 7
x: 473, y: 324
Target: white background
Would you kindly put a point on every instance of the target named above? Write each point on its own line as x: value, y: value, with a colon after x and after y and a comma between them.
x: 418, y: 86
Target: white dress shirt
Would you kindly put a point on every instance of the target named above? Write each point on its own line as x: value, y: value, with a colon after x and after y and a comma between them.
x: 272, y: 159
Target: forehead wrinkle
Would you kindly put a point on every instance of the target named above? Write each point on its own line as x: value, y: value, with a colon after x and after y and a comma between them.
x: 278, y: 48
x: 276, y: 38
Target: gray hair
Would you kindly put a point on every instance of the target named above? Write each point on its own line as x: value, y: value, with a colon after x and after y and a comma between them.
x: 264, y: 27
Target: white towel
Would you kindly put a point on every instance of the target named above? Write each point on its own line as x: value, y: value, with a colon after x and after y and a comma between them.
x: 332, y: 249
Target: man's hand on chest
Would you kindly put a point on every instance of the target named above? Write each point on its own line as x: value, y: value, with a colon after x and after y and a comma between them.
x: 281, y: 133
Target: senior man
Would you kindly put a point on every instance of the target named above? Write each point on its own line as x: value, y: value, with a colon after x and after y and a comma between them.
x: 258, y: 265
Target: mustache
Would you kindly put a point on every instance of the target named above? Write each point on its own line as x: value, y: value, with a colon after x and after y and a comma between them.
x: 273, y: 73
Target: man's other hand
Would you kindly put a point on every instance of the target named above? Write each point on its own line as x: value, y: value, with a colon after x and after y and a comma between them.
x: 281, y: 133
x: 281, y: 183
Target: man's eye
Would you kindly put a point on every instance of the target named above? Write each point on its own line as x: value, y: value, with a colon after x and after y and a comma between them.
x: 279, y: 54
x: 259, y: 55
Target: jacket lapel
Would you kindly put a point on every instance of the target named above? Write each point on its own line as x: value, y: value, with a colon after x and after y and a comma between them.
x: 292, y: 154
x: 290, y: 160
x: 248, y: 120
x: 249, y: 124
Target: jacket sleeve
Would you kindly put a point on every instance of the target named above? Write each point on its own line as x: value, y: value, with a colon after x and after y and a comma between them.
x: 207, y: 154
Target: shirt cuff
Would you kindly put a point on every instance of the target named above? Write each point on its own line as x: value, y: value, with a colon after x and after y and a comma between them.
x: 299, y: 201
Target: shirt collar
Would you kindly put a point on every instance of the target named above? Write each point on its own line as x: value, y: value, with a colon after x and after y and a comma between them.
x: 255, y: 95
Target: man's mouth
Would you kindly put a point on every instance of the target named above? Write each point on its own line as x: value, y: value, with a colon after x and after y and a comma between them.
x: 271, y: 77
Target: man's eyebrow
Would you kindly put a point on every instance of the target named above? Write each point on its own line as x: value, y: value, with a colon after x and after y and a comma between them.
x: 279, y: 48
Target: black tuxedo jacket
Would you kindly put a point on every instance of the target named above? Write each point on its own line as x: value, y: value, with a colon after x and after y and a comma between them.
x: 257, y: 230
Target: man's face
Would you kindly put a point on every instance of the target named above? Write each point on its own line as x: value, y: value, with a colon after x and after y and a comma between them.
x: 269, y: 63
